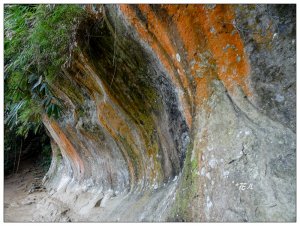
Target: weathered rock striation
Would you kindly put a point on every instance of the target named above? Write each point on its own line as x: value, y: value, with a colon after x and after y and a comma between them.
x: 177, y: 113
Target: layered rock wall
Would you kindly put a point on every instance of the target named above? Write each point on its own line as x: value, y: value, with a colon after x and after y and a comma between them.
x: 178, y: 113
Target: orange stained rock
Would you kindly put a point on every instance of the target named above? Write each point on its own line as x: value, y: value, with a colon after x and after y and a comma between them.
x: 212, y: 46
x: 227, y: 47
x: 157, y: 36
x: 117, y: 127
x: 89, y: 82
x: 113, y: 122
x: 212, y: 30
x: 64, y: 143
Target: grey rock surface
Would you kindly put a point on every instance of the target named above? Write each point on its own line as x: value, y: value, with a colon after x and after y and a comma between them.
x: 269, y: 33
x: 140, y: 160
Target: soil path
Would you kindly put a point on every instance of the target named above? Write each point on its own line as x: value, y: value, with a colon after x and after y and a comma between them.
x: 22, y: 192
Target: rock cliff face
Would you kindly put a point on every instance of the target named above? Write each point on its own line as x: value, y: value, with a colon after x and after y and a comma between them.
x: 177, y: 113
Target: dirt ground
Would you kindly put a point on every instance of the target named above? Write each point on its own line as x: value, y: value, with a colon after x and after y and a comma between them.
x: 22, y: 192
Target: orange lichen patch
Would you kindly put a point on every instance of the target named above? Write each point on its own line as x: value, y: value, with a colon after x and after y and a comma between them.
x: 212, y: 46
x: 202, y: 91
x: 156, y: 34
x: 213, y: 31
x: 147, y: 36
x: 227, y: 47
x: 159, y: 29
x: 64, y: 144
x: 187, y: 21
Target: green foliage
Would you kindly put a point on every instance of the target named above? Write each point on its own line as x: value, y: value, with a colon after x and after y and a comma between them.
x: 38, y: 42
